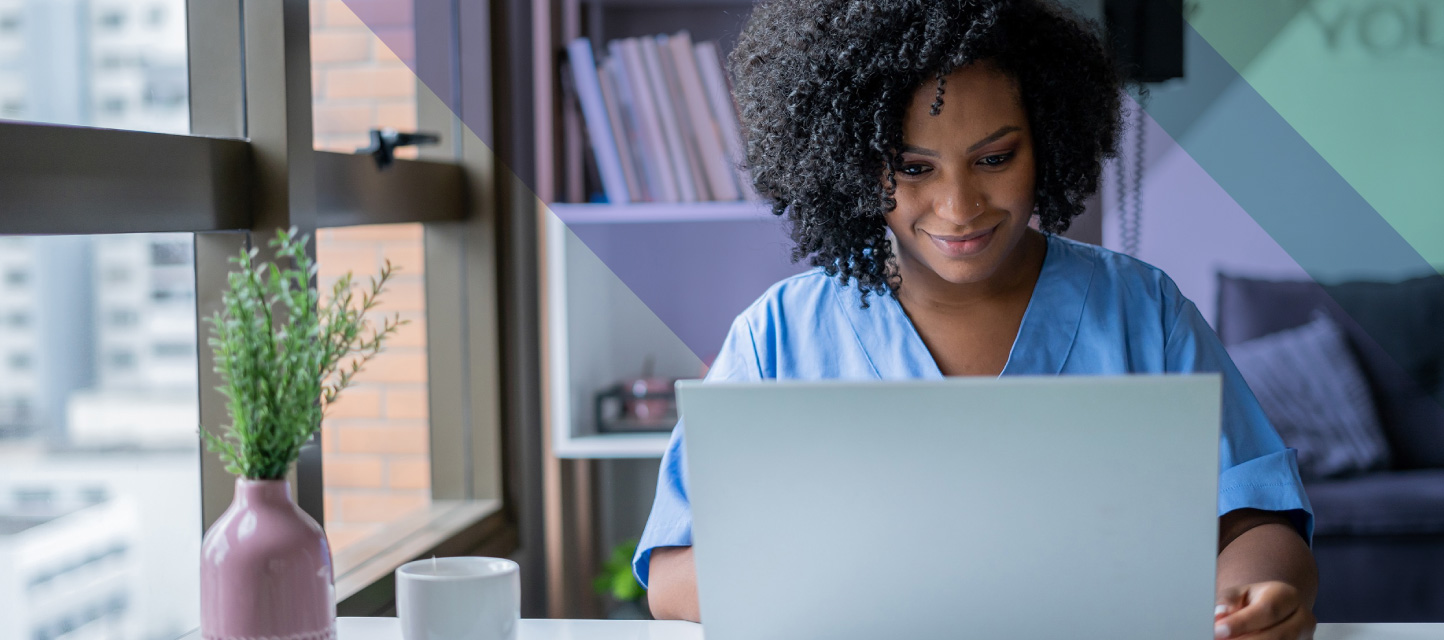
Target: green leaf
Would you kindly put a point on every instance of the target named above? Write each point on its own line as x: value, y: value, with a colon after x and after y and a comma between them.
x: 276, y: 344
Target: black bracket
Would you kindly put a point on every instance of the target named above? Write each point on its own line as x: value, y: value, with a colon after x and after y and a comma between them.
x: 385, y: 141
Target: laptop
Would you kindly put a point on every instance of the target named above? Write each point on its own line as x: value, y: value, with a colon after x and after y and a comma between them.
x: 1016, y: 507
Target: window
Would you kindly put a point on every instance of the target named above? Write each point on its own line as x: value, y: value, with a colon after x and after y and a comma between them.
x: 123, y: 318
x: 111, y: 20
x: 15, y: 417
x: 113, y: 106
x: 364, y: 83
x: 113, y: 462
x: 170, y: 253
x: 173, y: 350
x: 33, y: 498
x: 79, y: 63
x: 121, y: 360
x: 165, y: 87
x: 375, y: 440
x: 111, y: 302
x: 170, y: 295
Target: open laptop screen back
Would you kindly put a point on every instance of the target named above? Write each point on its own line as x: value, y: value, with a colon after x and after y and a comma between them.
x: 1077, y: 507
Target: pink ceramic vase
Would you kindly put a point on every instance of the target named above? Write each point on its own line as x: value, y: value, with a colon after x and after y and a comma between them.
x: 266, y: 570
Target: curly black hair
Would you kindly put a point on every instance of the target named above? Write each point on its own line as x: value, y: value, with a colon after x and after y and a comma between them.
x: 822, y: 86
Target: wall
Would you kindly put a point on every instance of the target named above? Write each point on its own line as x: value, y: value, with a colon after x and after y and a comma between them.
x: 1358, y: 85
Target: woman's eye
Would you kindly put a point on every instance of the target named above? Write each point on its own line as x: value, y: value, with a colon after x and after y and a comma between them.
x: 996, y: 160
x: 914, y: 169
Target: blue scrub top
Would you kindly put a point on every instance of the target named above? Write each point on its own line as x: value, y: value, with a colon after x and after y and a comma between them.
x: 1093, y: 312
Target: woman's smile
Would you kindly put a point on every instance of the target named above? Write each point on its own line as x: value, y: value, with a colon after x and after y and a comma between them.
x: 962, y: 246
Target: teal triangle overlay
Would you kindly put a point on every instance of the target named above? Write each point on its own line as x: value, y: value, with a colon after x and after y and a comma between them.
x: 1271, y: 171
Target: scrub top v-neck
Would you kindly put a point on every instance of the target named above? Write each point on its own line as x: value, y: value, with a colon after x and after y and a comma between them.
x: 1092, y: 312
x: 1057, y: 297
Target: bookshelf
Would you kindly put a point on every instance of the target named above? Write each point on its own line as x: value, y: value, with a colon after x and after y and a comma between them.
x: 638, y: 286
x: 605, y: 317
x: 624, y: 288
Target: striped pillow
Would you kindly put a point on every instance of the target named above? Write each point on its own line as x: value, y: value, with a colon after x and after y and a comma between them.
x: 1311, y: 388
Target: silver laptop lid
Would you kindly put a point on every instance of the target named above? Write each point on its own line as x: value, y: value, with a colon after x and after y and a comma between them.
x: 1052, y: 507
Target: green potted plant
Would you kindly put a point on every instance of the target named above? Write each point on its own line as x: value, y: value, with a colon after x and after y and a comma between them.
x: 616, y: 580
x: 283, y: 356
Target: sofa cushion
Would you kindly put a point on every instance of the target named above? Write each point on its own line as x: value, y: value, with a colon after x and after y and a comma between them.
x: 1392, y: 328
x: 1310, y: 387
x: 1385, y: 503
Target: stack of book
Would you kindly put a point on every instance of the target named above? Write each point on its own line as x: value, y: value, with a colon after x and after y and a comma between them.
x: 660, y: 120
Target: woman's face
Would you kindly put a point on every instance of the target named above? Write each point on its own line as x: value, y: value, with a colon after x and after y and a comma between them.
x: 965, y: 187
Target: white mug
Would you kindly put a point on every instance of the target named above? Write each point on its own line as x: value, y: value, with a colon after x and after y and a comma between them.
x: 458, y: 599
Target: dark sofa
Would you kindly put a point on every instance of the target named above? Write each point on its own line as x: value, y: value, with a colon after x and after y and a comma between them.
x: 1379, y: 536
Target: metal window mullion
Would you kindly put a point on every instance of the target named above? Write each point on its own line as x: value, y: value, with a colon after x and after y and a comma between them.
x: 273, y: 110
x: 483, y: 292
x: 278, y: 113
x: 215, y: 65
x: 73, y: 181
x: 212, y: 252
x: 277, y: 41
x: 445, y: 248
x: 351, y: 191
x: 449, y: 247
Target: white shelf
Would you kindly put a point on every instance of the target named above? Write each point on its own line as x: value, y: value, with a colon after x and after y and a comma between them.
x: 613, y: 445
x: 597, y: 333
x: 661, y: 212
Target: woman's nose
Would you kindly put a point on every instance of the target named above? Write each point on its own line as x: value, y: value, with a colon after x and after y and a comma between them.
x: 959, y: 205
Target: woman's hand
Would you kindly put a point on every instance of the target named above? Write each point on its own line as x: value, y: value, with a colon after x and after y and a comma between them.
x: 1263, y: 611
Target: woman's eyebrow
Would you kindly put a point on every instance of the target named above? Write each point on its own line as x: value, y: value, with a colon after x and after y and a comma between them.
x: 907, y: 148
x: 1005, y: 130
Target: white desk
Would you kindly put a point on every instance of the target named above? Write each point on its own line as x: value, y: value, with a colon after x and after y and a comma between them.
x: 390, y: 629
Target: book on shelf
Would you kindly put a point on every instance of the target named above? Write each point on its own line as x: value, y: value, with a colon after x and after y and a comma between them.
x: 721, y: 184
x: 587, y: 84
x: 724, y: 111
x: 672, y: 132
x: 659, y: 119
x: 614, y: 118
x: 652, y: 146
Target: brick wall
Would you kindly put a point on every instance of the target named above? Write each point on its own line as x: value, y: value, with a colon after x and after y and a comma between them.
x: 375, y: 439
x: 357, y: 81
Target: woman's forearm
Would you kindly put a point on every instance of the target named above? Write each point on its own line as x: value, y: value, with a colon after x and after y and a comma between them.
x: 1257, y: 546
x: 672, y: 585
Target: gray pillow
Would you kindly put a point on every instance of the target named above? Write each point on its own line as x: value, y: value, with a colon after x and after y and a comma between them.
x: 1311, y: 388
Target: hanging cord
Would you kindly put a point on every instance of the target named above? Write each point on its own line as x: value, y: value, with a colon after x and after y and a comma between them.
x: 1130, y: 189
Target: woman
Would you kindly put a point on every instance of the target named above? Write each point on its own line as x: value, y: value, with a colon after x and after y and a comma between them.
x: 910, y: 144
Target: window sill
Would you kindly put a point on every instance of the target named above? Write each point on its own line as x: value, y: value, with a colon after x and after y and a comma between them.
x: 446, y: 527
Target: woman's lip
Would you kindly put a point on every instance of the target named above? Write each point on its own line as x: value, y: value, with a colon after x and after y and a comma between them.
x: 964, y: 245
x: 965, y: 238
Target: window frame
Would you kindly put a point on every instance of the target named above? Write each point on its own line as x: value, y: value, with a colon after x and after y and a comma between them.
x: 248, y: 167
